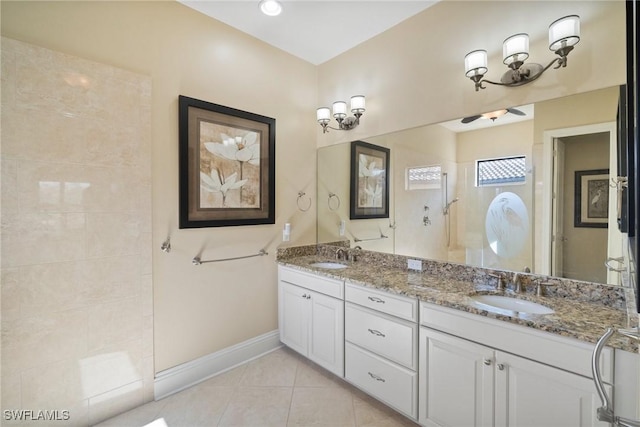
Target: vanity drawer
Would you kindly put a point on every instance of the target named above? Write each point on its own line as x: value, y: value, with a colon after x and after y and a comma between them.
x: 403, y: 307
x: 392, y: 338
x: 324, y: 285
x: 384, y: 380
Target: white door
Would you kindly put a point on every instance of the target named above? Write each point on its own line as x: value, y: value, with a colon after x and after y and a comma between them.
x: 455, y: 381
x: 558, y: 239
x: 326, y: 345
x: 529, y: 394
x: 293, y: 315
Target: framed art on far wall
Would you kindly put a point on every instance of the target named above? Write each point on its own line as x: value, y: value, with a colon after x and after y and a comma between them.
x: 591, y: 198
x: 226, y: 166
x: 369, y: 197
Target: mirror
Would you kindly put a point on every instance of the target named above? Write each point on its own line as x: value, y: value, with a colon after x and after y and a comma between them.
x: 483, y: 195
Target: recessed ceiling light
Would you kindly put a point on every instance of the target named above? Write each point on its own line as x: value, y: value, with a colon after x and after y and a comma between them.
x: 271, y: 7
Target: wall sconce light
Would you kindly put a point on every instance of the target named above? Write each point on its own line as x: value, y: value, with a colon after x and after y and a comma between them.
x: 564, y: 33
x: 340, y: 114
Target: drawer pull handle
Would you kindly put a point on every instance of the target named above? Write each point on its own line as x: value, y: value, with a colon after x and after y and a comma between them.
x: 377, y: 333
x: 375, y: 377
x: 376, y: 299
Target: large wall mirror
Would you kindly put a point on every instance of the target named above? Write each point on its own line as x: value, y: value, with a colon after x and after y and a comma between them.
x: 529, y: 189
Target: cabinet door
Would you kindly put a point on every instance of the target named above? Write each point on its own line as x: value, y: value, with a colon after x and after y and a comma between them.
x: 326, y: 345
x: 292, y: 316
x: 456, y: 381
x: 531, y: 394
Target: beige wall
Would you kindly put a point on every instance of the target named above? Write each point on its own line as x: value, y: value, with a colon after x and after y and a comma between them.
x: 198, y: 310
x: 413, y: 74
x: 585, y: 250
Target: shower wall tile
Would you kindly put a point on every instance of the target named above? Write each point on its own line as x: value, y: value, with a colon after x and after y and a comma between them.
x: 77, y: 289
x: 11, y: 390
x: 39, y: 340
x: 114, y: 234
x: 113, y: 322
x: 110, y: 367
x: 10, y: 288
x: 9, y: 185
x: 34, y: 238
x: 148, y: 378
x: 52, y: 386
x: 116, y: 401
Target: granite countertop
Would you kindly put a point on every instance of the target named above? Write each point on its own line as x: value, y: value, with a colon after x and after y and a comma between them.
x: 583, y: 320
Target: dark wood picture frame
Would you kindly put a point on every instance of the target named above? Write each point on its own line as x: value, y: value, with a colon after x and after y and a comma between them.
x: 591, y: 203
x: 369, y: 195
x: 226, y: 166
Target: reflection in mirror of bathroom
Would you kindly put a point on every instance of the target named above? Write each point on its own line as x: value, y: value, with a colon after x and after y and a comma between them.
x: 467, y: 211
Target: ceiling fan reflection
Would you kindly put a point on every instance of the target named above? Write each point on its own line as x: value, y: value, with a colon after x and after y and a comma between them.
x: 493, y: 115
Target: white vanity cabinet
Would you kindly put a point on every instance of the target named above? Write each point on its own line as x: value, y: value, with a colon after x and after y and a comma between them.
x: 311, y: 317
x: 381, y: 350
x: 466, y: 383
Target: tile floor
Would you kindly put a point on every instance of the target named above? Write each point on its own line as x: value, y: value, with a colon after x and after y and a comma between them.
x: 278, y: 389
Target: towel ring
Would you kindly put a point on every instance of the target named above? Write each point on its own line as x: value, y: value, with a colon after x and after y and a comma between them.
x: 331, y: 196
x: 300, y: 194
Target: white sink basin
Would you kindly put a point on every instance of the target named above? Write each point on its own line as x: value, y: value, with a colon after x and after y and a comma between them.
x: 329, y: 265
x: 500, y: 304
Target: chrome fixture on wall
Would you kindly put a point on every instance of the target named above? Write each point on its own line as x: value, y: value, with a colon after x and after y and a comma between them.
x: 323, y: 114
x: 564, y: 34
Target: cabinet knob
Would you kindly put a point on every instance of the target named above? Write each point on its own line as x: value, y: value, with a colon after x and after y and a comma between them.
x: 304, y: 296
x: 487, y: 362
x: 500, y: 366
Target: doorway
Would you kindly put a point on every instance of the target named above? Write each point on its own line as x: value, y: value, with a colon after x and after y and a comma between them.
x: 578, y: 249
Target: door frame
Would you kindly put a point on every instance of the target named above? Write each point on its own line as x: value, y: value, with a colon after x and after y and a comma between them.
x: 547, y: 177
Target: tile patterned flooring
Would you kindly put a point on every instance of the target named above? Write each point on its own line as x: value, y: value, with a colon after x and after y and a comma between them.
x: 278, y: 389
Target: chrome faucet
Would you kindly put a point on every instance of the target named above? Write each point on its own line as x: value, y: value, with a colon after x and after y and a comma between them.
x: 517, y: 283
x: 500, y: 281
x: 340, y: 254
x: 352, y: 254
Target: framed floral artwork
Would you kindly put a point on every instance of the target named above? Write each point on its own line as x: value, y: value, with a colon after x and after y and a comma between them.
x: 591, y: 207
x: 226, y: 166
x: 369, y: 197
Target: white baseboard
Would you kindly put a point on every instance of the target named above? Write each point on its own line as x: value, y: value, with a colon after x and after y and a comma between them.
x: 180, y: 377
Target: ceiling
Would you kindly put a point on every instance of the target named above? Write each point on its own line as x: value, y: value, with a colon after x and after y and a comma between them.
x: 314, y: 30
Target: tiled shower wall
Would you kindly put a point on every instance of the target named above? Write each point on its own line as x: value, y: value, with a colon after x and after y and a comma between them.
x: 77, y: 315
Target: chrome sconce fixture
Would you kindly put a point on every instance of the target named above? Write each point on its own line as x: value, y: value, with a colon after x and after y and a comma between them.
x: 564, y: 34
x: 340, y: 114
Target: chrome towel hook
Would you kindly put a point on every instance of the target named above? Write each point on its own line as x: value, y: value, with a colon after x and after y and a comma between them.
x: 300, y: 195
x: 331, y: 197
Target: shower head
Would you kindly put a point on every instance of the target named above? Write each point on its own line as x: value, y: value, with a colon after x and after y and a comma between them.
x: 445, y: 211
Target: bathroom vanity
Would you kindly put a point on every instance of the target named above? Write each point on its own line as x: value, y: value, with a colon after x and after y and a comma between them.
x: 421, y: 342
